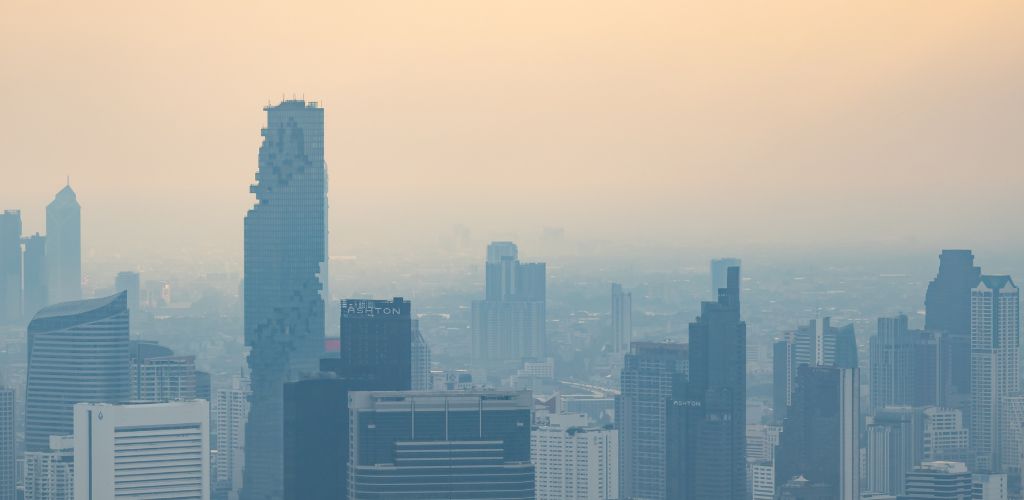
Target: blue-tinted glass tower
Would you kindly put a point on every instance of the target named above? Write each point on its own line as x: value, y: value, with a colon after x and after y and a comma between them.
x: 285, y: 272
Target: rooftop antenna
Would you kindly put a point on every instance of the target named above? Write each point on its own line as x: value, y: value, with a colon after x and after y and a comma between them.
x: 69, y: 181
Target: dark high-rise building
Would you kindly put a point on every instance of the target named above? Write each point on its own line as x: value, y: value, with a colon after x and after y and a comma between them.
x: 285, y: 272
x: 816, y: 344
x: 7, y: 453
x: 509, y: 324
x: 10, y: 266
x: 715, y: 432
x: 622, y: 318
x: 421, y: 378
x: 78, y: 353
x: 64, y: 247
x: 895, y: 444
x: 820, y: 435
x: 947, y: 306
x: 36, y: 289
x: 646, y: 381
x: 315, y: 439
x: 129, y: 281
x: 720, y: 273
x: 472, y: 445
x: 376, y: 342
x: 906, y: 366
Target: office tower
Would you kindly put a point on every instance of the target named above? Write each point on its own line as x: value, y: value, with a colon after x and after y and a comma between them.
x: 720, y: 273
x: 232, y: 411
x: 142, y: 450
x: 989, y: 487
x: 945, y: 436
x: 7, y: 449
x: 906, y: 367
x: 762, y: 481
x: 315, y: 438
x: 10, y: 266
x: 622, y: 318
x: 938, y: 481
x: 78, y: 352
x: 761, y: 442
x: 432, y: 444
x: 713, y: 430
x: 376, y: 342
x: 164, y: 378
x: 421, y: 379
x: 820, y: 435
x: 50, y: 475
x: 64, y: 247
x: 509, y: 324
x: 129, y: 281
x: 895, y: 442
x: 575, y: 460
x: 36, y: 285
x: 285, y: 272
x: 816, y: 344
x: 948, y: 310
x: 995, y: 365
x: 1012, y: 441
x: 646, y: 382
x: 204, y: 390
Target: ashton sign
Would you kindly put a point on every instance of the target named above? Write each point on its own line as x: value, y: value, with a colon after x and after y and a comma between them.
x: 353, y: 308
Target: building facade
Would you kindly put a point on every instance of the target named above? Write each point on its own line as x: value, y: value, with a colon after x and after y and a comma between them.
x: 285, y: 271
x: 575, y: 460
x: 50, y: 475
x: 36, y: 289
x: 622, y: 318
x: 142, y: 450
x: 376, y: 342
x: 64, y: 247
x: 939, y: 481
x: 78, y: 352
x: 509, y: 324
x: 816, y: 344
x: 7, y: 445
x: 421, y: 378
x: 10, y: 267
x: 906, y: 366
x: 232, y: 411
x: 165, y: 378
x: 948, y: 311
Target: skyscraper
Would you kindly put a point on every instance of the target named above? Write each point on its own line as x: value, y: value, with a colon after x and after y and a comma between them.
x: 129, y: 281
x: 78, y: 352
x: 36, y: 289
x: 622, y: 318
x: 64, y: 247
x: 509, y: 324
x: 906, y: 366
x: 720, y: 273
x: 939, y: 481
x: 142, y: 450
x: 816, y: 344
x: 945, y: 435
x: 50, y: 475
x: 948, y: 310
x: 10, y: 266
x: 376, y: 342
x: 821, y: 431
x: 232, y: 411
x: 440, y: 445
x: 995, y: 365
x: 895, y: 446
x: 421, y: 379
x: 285, y: 272
x: 575, y: 460
x: 713, y: 430
x: 646, y: 380
x: 7, y: 451
x: 166, y: 378
x: 315, y: 438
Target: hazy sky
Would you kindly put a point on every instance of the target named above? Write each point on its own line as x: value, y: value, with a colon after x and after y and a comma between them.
x: 706, y: 123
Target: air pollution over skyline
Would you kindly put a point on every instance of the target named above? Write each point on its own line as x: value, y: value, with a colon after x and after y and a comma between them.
x: 822, y: 125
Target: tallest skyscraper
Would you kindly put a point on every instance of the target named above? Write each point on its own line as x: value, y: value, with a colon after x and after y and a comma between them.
x: 285, y: 272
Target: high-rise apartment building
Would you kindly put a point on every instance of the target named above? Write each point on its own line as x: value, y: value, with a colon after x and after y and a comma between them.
x: 906, y: 366
x: 646, y: 381
x: 421, y: 378
x: 50, y: 475
x: 894, y: 447
x: 376, y: 342
x: 433, y: 444
x: 945, y: 435
x: 163, y: 378
x: 64, y: 247
x: 820, y: 436
x: 142, y: 450
x: 232, y: 411
x: 995, y: 366
x: 707, y: 412
x: 509, y: 324
x: 622, y: 318
x: 36, y: 283
x: 285, y: 272
x: 720, y: 273
x: 10, y: 267
x: 78, y: 352
x: 7, y: 445
x: 948, y: 311
x: 939, y: 481
x: 816, y: 344
x: 574, y: 459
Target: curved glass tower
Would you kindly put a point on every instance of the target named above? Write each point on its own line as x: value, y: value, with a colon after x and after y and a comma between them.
x: 285, y: 269
x: 77, y: 353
